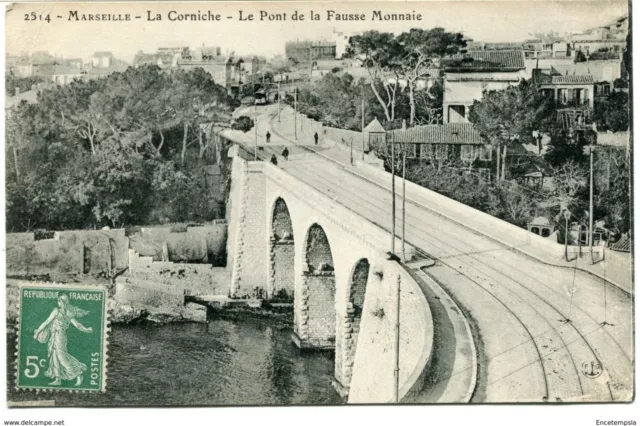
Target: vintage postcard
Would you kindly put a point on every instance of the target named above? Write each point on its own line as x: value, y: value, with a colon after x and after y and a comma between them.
x: 314, y: 203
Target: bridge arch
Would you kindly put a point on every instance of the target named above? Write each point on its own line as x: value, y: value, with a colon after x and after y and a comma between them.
x: 281, y: 253
x: 349, y: 322
x: 317, y: 314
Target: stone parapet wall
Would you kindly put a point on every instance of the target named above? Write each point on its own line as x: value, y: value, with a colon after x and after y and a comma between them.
x: 540, y: 248
x: 373, y: 365
x: 67, y: 253
x: 197, y: 243
x: 351, y: 223
x: 184, y: 278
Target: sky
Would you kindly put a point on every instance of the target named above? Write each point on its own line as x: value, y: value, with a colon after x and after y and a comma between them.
x: 480, y: 20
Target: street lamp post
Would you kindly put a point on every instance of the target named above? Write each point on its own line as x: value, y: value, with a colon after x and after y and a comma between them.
x: 351, y: 151
x: 567, y: 216
x: 362, y: 128
x: 295, y: 112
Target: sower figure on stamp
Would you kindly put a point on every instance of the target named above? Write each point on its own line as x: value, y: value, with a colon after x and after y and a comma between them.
x: 285, y: 154
x: 53, y: 331
x: 268, y: 137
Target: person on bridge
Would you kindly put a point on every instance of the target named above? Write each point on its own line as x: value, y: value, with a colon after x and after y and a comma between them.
x: 268, y: 137
x: 315, y: 137
x: 274, y: 160
x: 285, y: 154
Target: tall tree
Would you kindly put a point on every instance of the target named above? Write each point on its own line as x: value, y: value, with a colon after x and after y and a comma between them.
x: 422, y: 51
x: 279, y: 66
x: 613, y: 113
x: 196, y: 101
x: 379, y: 54
x: 509, y: 116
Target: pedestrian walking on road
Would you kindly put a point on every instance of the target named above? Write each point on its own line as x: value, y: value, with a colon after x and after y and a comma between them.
x: 315, y: 137
x: 274, y: 160
x: 268, y: 137
x: 285, y: 154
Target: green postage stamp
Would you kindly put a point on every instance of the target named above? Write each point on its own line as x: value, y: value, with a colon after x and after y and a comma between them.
x: 62, y: 337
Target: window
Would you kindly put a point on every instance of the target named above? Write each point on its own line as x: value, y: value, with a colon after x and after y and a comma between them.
x: 441, y: 152
x: 485, y: 152
x: 469, y: 152
x: 457, y: 114
x: 425, y: 150
x: 535, y: 230
x: 546, y: 232
x: 607, y: 89
x: 412, y: 150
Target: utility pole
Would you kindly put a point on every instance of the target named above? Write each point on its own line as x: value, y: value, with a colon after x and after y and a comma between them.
x: 255, y: 125
x: 278, y: 101
x: 295, y: 112
x: 404, y: 168
x: 393, y: 195
x: 396, y: 351
x: 567, y: 216
x: 591, y: 202
x: 363, y: 128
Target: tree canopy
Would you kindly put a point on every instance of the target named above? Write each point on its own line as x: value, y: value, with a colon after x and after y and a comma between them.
x: 116, y: 151
x: 409, y: 58
x: 508, y: 117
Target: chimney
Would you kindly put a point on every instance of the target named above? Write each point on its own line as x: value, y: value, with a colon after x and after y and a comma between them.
x: 17, y: 91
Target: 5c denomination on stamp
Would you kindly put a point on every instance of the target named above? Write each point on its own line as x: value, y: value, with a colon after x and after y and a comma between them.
x: 62, y: 337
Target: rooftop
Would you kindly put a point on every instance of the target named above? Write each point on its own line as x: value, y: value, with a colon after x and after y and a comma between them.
x: 624, y: 244
x: 486, y: 60
x: 555, y: 78
x: 108, y: 70
x: 448, y: 133
x: 66, y: 70
x: 605, y: 56
x: 374, y: 127
x: 103, y: 55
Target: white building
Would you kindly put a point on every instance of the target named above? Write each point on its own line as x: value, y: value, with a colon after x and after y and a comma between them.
x: 467, y: 77
x: 342, y: 42
x: 102, y: 59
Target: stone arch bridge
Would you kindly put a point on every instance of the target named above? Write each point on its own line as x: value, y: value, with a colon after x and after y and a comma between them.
x: 286, y: 239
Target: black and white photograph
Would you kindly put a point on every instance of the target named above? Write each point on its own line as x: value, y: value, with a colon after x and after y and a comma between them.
x: 313, y: 203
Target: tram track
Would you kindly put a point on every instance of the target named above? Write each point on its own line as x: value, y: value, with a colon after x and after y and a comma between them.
x: 513, y: 288
x: 333, y: 185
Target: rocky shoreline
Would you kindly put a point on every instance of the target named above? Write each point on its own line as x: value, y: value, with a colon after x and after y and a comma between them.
x: 279, y: 314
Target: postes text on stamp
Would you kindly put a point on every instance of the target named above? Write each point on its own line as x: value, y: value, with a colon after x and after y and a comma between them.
x: 62, y: 337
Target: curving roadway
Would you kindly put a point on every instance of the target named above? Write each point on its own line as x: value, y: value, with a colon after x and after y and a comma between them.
x: 541, y: 331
